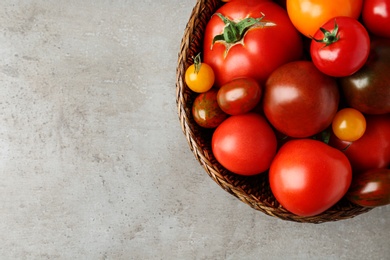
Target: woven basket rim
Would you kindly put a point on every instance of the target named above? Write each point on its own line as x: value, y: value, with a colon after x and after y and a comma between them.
x: 198, y: 140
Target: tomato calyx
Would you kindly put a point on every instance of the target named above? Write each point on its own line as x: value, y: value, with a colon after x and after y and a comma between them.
x: 197, y: 63
x: 234, y: 32
x: 329, y: 36
x: 323, y: 136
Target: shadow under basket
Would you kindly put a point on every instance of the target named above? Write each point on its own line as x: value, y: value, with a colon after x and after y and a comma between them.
x: 255, y: 190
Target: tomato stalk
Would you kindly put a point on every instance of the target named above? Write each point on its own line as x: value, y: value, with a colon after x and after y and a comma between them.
x: 197, y: 63
x: 329, y: 36
x: 234, y: 32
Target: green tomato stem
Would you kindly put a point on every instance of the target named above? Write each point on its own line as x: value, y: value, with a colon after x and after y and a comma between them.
x: 234, y: 31
x: 329, y: 36
x: 197, y: 63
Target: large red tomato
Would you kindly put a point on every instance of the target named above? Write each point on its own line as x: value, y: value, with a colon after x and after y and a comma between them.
x: 372, y: 150
x: 299, y: 100
x: 307, y: 176
x: 244, y: 144
x: 249, y: 38
x: 376, y: 17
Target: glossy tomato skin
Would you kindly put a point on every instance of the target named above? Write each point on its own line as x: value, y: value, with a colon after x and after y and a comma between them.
x: 309, y: 15
x: 347, y: 54
x: 205, y: 110
x: 307, y: 176
x: 244, y: 144
x: 262, y: 49
x: 370, y: 188
x: 199, y: 81
x: 372, y: 150
x: 368, y: 89
x: 376, y: 17
x: 239, y: 96
x: 299, y: 100
x: 349, y: 124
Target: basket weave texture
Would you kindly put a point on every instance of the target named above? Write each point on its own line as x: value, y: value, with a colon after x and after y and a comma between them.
x: 254, y: 190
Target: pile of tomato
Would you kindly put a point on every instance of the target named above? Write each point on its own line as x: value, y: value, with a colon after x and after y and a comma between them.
x: 300, y: 90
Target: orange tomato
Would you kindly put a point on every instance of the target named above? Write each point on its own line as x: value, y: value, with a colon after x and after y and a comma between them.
x: 309, y: 15
x: 349, y: 124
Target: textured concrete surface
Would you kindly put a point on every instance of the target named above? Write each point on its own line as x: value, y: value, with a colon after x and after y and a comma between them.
x: 93, y: 163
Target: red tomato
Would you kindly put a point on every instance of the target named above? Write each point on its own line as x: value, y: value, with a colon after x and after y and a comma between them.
x: 206, y: 111
x: 239, y: 96
x: 341, y: 47
x: 307, y: 176
x: 376, y: 17
x: 244, y: 144
x: 370, y: 188
x: 267, y: 40
x: 309, y: 15
x: 372, y: 150
x: 299, y: 100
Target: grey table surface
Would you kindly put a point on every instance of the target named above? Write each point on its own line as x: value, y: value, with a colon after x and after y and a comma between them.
x: 93, y: 163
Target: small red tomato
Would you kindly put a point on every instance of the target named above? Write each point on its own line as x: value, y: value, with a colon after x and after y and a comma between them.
x: 206, y: 111
x: 340, y: 47
x: 308, y: 177
x: 370, y: 188
x: 299, y: 100
x: 376, y: 17
x: 244, y: 144
x: 239, y: 96
x: 349, y: 124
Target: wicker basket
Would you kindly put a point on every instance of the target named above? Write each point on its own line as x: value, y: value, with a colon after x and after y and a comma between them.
x: 255, y: 190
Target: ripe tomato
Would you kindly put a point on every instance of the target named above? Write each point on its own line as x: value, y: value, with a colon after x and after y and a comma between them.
x: 307, y: 176
x: 370, y: 188
x: 340, y: 47
x: 206, y: 111
x: 239, y: 96
x: 349, y: 124
x: 299, y: 100
x: 247, y: 38
x: 309, y: 15
x: 368, y: 89
x: 376, y: 17
x: 199, y: 76
x: 372, y: 150
x: 244, y: 144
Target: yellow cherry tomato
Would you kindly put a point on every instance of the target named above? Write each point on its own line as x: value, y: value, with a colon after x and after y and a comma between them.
x: 349, y: 124
x: 199, y: 77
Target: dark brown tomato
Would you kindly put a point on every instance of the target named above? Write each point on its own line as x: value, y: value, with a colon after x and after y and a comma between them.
x: 206, y: 111
x: 299, y: 100
x: 239, y: 96
x: 370, y: 188
x: 368, y: 89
